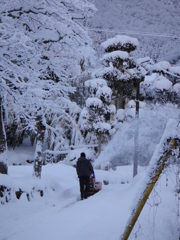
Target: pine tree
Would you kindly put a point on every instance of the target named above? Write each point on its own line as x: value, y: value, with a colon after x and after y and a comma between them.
x: 119, y: 67
x: 96, y: 114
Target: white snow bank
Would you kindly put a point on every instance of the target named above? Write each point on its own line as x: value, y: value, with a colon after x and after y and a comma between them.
x: 59, y: 214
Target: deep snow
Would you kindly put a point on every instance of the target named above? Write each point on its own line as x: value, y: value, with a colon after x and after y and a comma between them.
x: 60, y: 214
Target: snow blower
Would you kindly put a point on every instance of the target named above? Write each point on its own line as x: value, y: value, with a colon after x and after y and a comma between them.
x: 94, y: 186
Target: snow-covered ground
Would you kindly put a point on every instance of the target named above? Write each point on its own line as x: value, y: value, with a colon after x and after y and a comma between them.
x: 60, y: 214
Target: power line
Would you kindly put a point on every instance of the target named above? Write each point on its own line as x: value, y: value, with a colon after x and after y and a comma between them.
x: 133, y: 32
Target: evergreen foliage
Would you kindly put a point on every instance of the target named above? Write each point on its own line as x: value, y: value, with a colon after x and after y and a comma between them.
x: 120, y: 68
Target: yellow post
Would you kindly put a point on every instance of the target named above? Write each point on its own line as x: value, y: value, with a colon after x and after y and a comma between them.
x: 153, y: 179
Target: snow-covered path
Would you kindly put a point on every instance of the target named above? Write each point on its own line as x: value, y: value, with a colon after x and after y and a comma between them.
x: 60, y: 215
x: 66, y: 217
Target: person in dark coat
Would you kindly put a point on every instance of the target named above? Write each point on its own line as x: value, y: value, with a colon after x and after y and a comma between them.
x: 84, y: 169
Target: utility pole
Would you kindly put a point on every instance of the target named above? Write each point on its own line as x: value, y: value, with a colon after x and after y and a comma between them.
x: 135, y: 163
x: 136, y: 134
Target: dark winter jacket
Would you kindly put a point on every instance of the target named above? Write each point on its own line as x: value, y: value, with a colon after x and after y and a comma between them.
x: 84, y: 167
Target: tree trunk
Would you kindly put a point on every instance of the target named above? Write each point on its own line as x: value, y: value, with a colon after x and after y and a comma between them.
x: 3, y: 146
x: 39, y: 147
x: 119, y: 104
x: 99, y: 142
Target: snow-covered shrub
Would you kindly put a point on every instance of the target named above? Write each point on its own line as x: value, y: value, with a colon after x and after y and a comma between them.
x: 150, y: 127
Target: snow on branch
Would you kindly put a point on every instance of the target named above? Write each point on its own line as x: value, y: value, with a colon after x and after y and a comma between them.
x: 102, y: 127
x: 116, y: 55
x: 175, y: 70
x: 160, y: 66
x: 95, y: 83
x: 120, y: 42
x: 157, y: 82
x: 104, y: 93
x: 162, y: 83
x: 176, y: 88
x: 94, y: 103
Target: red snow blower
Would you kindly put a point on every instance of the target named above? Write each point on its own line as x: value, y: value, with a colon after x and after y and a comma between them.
x: 94, y: 186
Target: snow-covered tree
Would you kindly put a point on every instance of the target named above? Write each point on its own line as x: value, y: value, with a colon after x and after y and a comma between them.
x: 118, y: 67
x: 162, y: 84
x: 152, y: 122
x: 96, y: 115
x: 41, y: 50
x: 3, y: 144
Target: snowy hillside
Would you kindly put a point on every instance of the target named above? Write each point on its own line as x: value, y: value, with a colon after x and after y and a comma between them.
x: 154, y: 23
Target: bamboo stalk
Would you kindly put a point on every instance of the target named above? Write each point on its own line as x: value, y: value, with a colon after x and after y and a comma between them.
x: 154, y: 178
